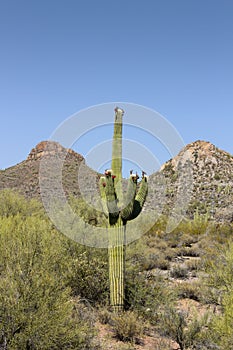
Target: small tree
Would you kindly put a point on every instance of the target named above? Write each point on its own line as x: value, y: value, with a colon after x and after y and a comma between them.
x: 36, y: 309
x: 221, y: 283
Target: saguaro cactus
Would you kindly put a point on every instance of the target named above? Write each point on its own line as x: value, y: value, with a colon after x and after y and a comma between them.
x: 119, y: 208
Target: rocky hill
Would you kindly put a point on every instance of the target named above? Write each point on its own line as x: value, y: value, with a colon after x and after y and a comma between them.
x: 25, y: 176
x: 210, y: 176
x: 200, y: 172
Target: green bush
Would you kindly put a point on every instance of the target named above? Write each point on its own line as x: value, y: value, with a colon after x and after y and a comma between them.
x: 104, y: 315
x: 89, y: 275
x: 36, y: 308
x: 190, y: 290
x: 222, y: 326
x: 148, y: 297
x: 220, y: 282
x: 12, y: 203
x: 179, y: 271
x: 177, y: 325
x: 220, y: 271
x: 88, y: 213
x: 128, y: 327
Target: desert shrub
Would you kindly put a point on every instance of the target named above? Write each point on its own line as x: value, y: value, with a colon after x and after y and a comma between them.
x: 189, y: 290
x: 128, y: 327
x: 104, y: 315
x: 36, y: 309
x: 177, y: 325
x: 146, y: 292
x: 162, y: 263
x: 159, y: 227
x: 187, y: 238
x: 196, y: 226
x: 222, y: 325
x: 164, y: 344
x: 89, y: 275
x: 169, y: 254
x: 179, y: 271
x: 148, y: 297
x: 154, y: 260
x: 189, y: 251
x: 88, y: 213
x: 220, y: 282
x: 193, y: 264
x: 12, y: 203
x: 221, y: 232
x: 173, y: 239
x: 149, y: 253
x: 197, y: 207
x: 220, y: 271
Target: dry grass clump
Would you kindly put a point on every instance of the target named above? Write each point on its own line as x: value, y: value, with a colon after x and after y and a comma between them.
x: 128, y: 327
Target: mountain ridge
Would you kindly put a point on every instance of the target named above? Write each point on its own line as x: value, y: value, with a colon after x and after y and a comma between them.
x: 210, y: 176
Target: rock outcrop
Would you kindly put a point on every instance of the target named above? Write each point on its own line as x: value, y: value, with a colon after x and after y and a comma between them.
x: 51, y: 149
x: 210, y: 175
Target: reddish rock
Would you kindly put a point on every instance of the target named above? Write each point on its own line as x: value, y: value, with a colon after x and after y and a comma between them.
x: 52, y: 148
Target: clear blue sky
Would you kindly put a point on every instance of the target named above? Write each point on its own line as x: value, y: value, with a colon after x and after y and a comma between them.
x: 58, y: 57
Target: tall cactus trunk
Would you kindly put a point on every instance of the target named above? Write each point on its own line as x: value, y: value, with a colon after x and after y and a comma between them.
x: 116, y: 248
x: 117, y: 147
x: 119, y: 210
x: 117, y: 154
x: 116, y: 253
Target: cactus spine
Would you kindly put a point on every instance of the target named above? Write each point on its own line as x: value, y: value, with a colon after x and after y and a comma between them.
x: 119, y: 209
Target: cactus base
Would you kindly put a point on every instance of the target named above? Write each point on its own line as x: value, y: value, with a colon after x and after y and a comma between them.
x: 116, y: 253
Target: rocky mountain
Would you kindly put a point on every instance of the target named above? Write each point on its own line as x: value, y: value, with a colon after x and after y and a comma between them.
x: 205, y: 171
x: 25, y: 177
x: 199, y: 178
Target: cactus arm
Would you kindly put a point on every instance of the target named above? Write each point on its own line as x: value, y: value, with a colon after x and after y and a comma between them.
x: 102, y: 185
x: 108, y: 197
x: 139, y: 199
x: 142, y: 193
x: 129, y: 199
x: 111, y: 197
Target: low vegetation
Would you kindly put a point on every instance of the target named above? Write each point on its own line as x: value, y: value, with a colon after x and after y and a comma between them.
x: 54, y: 293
